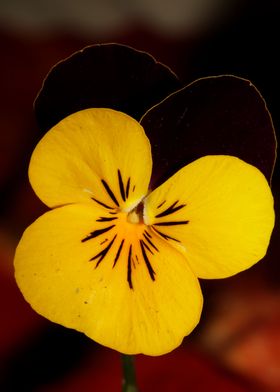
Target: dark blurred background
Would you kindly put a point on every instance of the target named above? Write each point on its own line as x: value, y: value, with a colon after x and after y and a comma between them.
x: 237, y: 344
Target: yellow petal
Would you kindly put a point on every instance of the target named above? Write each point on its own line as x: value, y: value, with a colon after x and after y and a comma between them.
x: 116, y: 281
x: 218, y: 211
x: 95, y: 154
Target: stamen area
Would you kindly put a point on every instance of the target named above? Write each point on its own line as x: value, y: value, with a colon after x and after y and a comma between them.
x: 133, y: 217
x: 136, y: 215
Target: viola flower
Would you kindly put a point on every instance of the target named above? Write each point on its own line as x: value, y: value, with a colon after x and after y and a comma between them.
x: 119, y: 261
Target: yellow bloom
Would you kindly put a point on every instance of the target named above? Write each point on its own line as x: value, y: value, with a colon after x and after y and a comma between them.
x: 118, y: 262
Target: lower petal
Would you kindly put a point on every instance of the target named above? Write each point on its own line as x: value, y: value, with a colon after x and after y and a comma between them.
x: 118, y: 303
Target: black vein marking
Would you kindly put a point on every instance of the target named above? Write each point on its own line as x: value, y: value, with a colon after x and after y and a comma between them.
x: 171, y: 209
x: 146, y: 246
x: 110, y: 192
x: 103, y: 242
x: 121, y: 185
x: 96, y: 233
x: 148, y: 234
x: 118, y: 253
x: 165, y: 236
x: 149, y: 241
x: 137, y: 259
x: 174, y: 223
x: 105, y: 219
x: 147, y: 261
x: 103, y: 253
x: 133, y: 189
x: 129, y: 268
x: 161, y: 204
x: 127, y: 187
x: 102, y: 204
x: 113, y: 212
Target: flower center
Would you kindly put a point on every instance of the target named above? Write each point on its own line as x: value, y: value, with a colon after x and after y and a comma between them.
x: 136, y: 215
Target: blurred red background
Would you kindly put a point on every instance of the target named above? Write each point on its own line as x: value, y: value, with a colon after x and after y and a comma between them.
x: 237, y: 344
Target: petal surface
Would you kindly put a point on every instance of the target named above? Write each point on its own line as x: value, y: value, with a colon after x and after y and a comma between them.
x: 117, y: 282
x: 218, y: 211
x: 92, y: 154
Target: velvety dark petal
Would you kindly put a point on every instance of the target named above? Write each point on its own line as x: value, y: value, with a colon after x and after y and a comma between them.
x: 111, y: 76
x: 211, y: 116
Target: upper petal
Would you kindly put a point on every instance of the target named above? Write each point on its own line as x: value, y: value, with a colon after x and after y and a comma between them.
x: 103, y: 76
x: 92, y: 154
x: 115, y: 281
x: 218, y: 211
x: 220, y: 115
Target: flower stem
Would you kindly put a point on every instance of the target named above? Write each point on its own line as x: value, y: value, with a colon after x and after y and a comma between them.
x: 129, y: 377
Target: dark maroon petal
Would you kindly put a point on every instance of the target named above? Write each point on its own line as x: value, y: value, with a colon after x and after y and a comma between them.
x: 113, y: 76
x: 216, y: 115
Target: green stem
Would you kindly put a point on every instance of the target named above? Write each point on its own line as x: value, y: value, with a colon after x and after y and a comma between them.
x: 129, y: 377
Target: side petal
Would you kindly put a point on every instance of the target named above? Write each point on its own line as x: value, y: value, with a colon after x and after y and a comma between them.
x: 116, y: 300
x: 218, y: 211
x: 94, y: 154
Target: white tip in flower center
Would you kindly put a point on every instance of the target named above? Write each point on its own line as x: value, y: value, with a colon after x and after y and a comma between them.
x: 133, y: 217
